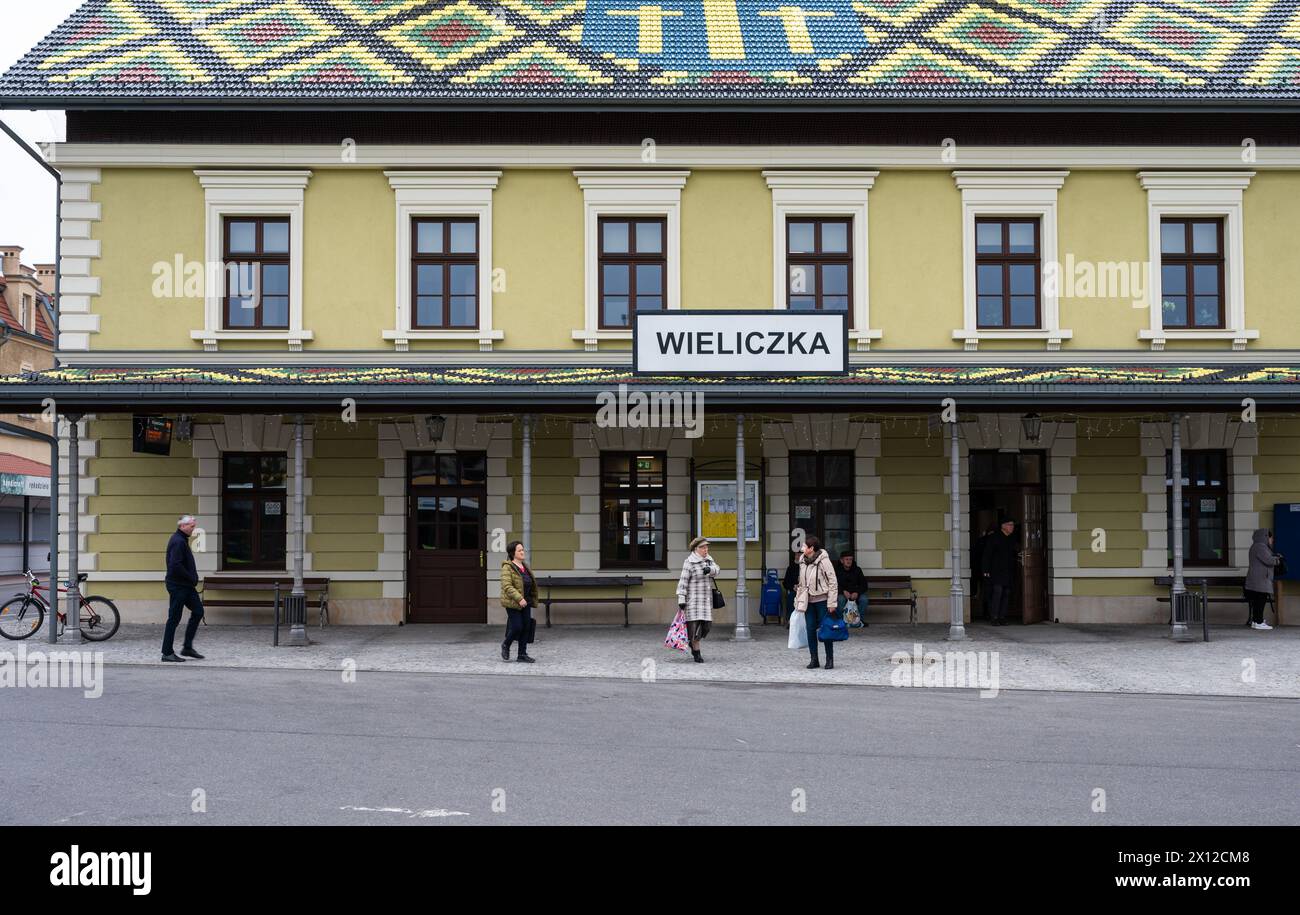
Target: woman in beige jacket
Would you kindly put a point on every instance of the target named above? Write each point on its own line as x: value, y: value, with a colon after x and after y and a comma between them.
x: 815, y: 596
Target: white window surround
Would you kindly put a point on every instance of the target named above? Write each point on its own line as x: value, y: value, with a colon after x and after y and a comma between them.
x: 627, y: 193
x: 835, y: 193
x: 1216, y: 194
x: 252, y: 193
x: 1010, y: 193
x: 443, y: 193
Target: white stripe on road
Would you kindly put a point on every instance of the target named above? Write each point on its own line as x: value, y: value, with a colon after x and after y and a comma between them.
x: 420, y: 814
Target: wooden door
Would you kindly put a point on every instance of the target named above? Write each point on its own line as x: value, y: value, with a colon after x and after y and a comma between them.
x: 446, y: 569
x: 1033, y: 557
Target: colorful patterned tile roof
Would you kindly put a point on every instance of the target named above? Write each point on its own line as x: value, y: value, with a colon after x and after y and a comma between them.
x: 314, y: 51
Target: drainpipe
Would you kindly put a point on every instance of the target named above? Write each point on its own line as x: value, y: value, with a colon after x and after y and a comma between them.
x: 53, y: 442
x: 742, y: 594
x: 956, y: 618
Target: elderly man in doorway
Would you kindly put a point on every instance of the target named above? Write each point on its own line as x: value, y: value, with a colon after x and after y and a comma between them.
x: 182, y: 581
x: 852, y: 586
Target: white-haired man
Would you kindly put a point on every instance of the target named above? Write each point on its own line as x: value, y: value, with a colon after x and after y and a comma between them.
x: 182, y: 581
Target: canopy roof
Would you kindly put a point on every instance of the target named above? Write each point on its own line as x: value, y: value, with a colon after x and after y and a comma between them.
x: 273, y: 388
x: 126, y: 53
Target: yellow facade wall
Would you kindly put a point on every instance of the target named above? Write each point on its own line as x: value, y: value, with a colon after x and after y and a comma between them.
x: 150, y: 216
x: 1108, y: 466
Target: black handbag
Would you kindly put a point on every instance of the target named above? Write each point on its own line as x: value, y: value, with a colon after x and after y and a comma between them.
x: 718, y: 601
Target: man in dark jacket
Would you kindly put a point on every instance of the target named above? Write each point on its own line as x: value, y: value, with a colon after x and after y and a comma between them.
x: 791, y: 582
x: 852, y: 586
x: 182, y: 580
x: 998, y: 567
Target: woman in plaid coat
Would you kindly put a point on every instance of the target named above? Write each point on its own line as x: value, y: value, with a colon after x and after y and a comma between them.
x: 695, y: 593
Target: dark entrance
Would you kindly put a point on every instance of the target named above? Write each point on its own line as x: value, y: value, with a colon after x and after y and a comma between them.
x: 1011, y: 484
x: 446, y: 570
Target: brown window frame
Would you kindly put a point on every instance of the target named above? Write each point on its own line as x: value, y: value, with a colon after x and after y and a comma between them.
x: 819, y: 259
x: 446, y: 260
x: 615, y: 492
x: 262, y: 259
x: 1192, y: 518
x: 259, y: 495
x: 818, y: 489
x: 631, y: 259
x: 1189, y: 261
x: 1005, y: 259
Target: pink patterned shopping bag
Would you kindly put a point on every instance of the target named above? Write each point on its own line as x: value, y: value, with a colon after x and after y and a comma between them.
x: 676, y: 637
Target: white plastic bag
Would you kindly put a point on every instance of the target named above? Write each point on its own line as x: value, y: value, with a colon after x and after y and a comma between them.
x: 798, y: 631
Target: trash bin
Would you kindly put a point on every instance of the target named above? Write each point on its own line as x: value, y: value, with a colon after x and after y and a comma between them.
x: 1189, y: 609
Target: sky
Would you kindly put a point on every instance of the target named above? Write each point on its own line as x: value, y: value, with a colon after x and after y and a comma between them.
x: 27, y: 190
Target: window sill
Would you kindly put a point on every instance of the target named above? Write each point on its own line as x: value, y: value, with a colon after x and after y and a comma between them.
x: 1160, y: 337
x: 211, y: 338
x: 972, y: 337
x: 592, y: 337
x: 402, y: 338
x: 863, y: 338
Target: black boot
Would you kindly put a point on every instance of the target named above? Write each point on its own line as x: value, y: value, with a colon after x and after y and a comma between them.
x: 699, y: 658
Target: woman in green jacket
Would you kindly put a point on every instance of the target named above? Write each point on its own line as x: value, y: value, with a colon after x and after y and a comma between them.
x: 519, y: 597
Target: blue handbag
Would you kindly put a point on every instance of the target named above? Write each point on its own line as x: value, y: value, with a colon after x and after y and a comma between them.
x: 832, y: 629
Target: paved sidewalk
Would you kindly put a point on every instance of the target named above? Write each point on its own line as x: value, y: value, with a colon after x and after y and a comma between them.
x: 1140, y: 659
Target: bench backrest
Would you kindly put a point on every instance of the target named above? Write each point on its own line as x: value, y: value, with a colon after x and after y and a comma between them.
x: 261, y: 584
x: 889, y: 583
x: 623, y: 581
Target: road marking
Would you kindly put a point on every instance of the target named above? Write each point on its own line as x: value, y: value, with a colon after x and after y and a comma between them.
x: 412, y: 814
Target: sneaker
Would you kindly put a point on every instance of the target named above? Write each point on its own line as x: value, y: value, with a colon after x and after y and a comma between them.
x: 524, y: 659
x: 1260, y: 626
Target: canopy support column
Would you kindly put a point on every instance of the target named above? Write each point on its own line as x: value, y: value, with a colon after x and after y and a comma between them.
x: 298, y: 596
x: 72, y: 630
x: 956, y: 610
x: 742, y: 595
x: 1179, y: 626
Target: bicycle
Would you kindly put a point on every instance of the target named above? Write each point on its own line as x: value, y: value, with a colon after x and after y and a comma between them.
x: 22, y: 615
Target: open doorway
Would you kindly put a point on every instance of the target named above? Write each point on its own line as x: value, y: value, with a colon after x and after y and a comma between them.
x: 1011, y: 484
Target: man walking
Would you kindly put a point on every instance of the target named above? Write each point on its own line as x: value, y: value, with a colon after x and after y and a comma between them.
x: 998, y: 566
x: 182, y: 579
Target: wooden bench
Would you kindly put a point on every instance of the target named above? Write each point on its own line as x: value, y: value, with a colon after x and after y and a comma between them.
x: 1205, y: 584
x: 281, y: 587
x: 626, y: 582
x: 890, y: 584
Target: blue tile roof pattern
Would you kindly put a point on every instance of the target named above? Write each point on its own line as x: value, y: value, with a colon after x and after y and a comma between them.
x: 322, y: 51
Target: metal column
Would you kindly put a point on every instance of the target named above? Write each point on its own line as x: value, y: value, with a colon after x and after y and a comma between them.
x: 297, y: 603
x: 72, y: 630
x: 527, y: 495
x: 742, y: 595
x: 957, y: 613
x: 1179, y: 627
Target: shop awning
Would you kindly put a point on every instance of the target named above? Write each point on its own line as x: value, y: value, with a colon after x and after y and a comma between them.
x: 279, y: 388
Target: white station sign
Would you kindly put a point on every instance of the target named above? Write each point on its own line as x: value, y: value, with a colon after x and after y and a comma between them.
x: 766, y: 342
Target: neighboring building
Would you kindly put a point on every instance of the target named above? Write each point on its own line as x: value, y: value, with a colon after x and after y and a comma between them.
x: 26, y: 345
x: 1076, y: 219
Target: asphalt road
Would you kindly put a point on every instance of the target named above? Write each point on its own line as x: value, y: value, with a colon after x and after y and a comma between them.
x: 285, y: 747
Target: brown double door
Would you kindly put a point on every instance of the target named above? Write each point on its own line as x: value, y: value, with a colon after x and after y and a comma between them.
x: 446, y: 571
x: 1012, y: 485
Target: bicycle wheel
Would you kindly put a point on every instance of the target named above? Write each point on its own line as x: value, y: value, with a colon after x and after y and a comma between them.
x: 99, y: 619
x: 21, y: 618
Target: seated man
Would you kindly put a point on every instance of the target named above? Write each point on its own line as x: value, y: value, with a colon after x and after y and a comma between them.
x: 852, y: 585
